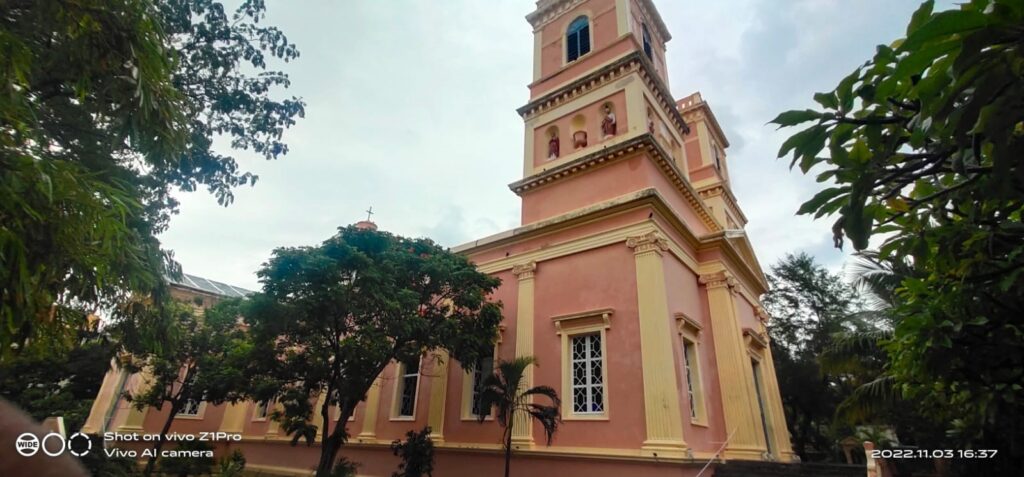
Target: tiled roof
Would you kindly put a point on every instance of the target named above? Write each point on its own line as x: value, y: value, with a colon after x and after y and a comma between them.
x: 210, y: 286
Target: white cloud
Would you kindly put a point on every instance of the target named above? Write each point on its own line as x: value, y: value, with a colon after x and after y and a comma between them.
x: 411, y: 109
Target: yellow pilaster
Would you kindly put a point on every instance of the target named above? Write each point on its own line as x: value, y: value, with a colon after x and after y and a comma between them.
x: 318, y: 418
x: 133, y: 423
x: 273, y: 426
x: 234, y: 417
x: 522, y: 429
x: 369, y: 431
x: 106, y: 399
x: 734, y: 371
x: 438, y: 392
x: 663, y: 418
x: 774, y: 398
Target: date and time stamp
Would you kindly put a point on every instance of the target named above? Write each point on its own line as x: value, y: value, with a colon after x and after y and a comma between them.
x: 933, y: 453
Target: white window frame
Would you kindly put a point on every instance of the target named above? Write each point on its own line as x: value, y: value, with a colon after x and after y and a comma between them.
x: 266, y: 407
x: 693, y: 378
x: 200, y: 410
x: 401, y: 373
x: 594, y: 322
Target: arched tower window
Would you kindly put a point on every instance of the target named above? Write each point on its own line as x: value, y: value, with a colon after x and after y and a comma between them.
x: 647, y: 41
x: 577, y: 39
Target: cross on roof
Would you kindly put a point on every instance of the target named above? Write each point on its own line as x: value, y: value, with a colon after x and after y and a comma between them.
x: 369, y: 213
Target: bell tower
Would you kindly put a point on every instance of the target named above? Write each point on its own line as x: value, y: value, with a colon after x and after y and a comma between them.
x: 600, y: 90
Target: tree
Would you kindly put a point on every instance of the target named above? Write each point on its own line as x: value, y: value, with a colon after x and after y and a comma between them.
x: 58, y: 378
x: 107, y: 107
x: 186, y: 358
x: 809, y: 305
x: 503, y: 391
x: 922, y: 148
x: 417, y: 454
x: 331, y: 317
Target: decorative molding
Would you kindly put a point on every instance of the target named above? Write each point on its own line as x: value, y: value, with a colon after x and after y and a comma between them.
x: 548, y: 10
x: 762, y: 314
x: 719, y: 279
x: 650, y: 242
x: 720, y: 189
x: 688, y: 325
x: 643, y: 143
x: 576, y: 320
x: 637, y: 62
x: 755, y: 339
x: 525, y: 271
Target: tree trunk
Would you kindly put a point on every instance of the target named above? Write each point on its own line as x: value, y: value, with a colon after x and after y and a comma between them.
x: 159, y: 445
x: 332, y: 443
x: 508, y: 444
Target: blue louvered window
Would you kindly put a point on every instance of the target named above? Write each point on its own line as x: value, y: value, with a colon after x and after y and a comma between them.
x: 647, y: 41
x: 577, y: 39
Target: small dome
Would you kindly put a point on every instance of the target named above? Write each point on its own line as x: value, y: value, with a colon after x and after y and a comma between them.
x: 366, y: 225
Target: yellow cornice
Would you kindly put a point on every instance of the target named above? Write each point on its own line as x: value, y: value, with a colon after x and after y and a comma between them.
x: 626, y: 149
x: 701, y: 110
x: 644, y: 198
x: 631, y: 62
x: 720, y: 188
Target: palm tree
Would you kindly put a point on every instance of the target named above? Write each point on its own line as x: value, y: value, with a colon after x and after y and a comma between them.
x: 503, y: 390
x: 860, y: 352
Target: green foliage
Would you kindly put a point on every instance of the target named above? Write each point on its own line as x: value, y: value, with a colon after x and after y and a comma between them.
x: 98, y: 463
x: 186, y: 466
x: 107, y: 107
x: 922, y: 147
x: 185, y: 356
x: 417, y: 454
x: 50, y: 379
x: 331, y: 317
x: 504, y: 391
x: 809, y: 305
x: 232, y: 465
x: 344, y: 468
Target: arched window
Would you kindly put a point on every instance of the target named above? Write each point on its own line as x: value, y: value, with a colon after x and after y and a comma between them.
x: 577, y: 39
x: 647, y: 40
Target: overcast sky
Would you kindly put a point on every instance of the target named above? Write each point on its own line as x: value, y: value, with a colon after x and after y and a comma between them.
x: 411, y: 109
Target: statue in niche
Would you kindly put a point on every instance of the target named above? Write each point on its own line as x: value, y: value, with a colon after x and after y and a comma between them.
x: 553, y: 147
x: 608, y: 124
x: 650, y: 121
x: 579, y: 139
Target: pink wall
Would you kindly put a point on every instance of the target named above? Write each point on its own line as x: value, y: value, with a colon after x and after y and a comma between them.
x: 606, y: 182
x: 593, y: 114
x: 657, y: 43
x: 685, y: 296
x: 595, y: 279
x: 604, y: 31
x: 566, y: 235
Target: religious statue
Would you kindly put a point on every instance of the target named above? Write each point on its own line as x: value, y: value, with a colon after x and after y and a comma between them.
x: 553, y: 147
x: 579, y: 139
x: 608, y: 124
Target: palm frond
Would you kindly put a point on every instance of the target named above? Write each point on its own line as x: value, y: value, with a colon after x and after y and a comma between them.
x: 868, y: 400
x: 548, y: 416
x: 546, y: 391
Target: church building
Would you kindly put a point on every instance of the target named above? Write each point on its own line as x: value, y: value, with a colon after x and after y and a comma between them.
x: 630, y: 279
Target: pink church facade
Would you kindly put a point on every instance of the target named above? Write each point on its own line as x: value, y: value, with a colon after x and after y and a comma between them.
x: 631, y: 280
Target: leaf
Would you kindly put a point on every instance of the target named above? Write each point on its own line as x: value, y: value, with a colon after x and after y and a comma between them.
x: 923, y: 13
x: 943, y: 24
x: 820, y: 199
x: 794, y: 117
x: 827, y: 100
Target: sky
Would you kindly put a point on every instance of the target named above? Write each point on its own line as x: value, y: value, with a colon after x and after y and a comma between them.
x: 410, y: 109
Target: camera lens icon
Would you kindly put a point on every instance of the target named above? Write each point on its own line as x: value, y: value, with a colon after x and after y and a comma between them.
x: 27, y: 444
